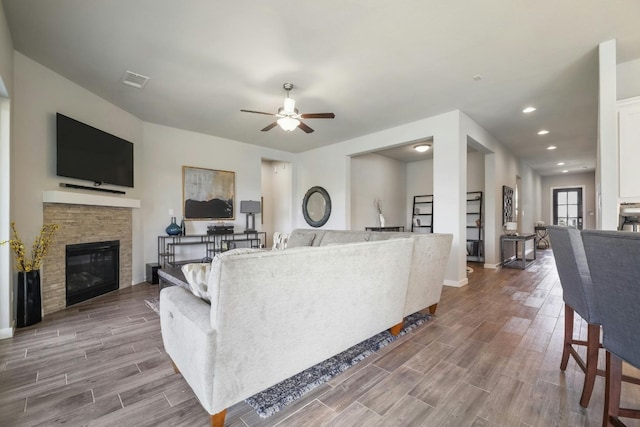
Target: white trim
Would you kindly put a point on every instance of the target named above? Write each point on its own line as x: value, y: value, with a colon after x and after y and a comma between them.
x: 456, y: 284
x: 493, y: 266
x: 71, y: 198
x: 6, y: 333
x: 628, y: 101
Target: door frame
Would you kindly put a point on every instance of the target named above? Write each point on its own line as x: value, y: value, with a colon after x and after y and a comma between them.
x: 561, y: 187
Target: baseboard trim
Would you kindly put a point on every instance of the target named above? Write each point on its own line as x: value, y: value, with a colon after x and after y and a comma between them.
x: 456, y: 284
x: 492, y: 266
x: 6, y: 333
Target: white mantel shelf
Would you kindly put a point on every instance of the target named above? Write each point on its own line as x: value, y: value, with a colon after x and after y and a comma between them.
x: 73, y: 198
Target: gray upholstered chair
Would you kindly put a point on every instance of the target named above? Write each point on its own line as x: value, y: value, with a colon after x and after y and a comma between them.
x: 577, y: 293
x: 614, y: 262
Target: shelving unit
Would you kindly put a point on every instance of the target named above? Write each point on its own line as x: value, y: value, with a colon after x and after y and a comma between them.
x: 475, y: 227
x: 169, y: 253
x: 422, y: 218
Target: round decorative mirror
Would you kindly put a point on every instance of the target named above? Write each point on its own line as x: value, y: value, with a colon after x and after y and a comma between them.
x: 316, y: 206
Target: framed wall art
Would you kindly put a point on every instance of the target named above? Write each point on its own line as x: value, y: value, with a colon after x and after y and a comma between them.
x: 207, y: 193
x: 507, y: 204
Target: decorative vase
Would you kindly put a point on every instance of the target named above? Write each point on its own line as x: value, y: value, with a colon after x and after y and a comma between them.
x: 183, y: 227
x: 29, y: 301
x: 381, y: 221
x: 173, y: 229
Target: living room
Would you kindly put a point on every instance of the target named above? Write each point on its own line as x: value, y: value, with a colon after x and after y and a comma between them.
x: 39, y: 93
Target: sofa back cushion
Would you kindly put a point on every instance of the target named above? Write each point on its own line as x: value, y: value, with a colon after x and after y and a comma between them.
x: 335, y: 237
x: 297, y: 240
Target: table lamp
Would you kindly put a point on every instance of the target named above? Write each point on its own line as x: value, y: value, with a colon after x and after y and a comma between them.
x: 250, y: 208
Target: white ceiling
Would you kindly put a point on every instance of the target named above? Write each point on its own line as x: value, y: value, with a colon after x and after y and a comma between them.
x: 375, y: 64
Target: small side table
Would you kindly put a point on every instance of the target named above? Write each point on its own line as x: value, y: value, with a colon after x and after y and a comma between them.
x: 542, y: 237
x: 513, y: 261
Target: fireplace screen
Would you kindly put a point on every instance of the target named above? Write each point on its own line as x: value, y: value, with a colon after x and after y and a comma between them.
x: 92, y: 269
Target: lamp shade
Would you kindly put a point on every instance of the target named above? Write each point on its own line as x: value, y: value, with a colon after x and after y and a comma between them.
x: 250, y: 206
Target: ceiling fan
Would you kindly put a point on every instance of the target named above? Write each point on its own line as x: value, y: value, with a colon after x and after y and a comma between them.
x: 288, y: 116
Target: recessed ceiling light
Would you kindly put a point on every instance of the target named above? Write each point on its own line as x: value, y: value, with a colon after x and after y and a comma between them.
x: 560, y: 163
x: 421, y: 148
x: 543, y: 132
x: 551, y: 147
x: 529, y: 110
x: 565, y: 171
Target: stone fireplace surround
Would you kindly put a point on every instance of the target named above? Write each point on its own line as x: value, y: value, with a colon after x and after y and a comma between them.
x: 83, y: 219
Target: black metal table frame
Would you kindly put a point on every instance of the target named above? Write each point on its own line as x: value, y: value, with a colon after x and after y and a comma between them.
x: 513, y: 261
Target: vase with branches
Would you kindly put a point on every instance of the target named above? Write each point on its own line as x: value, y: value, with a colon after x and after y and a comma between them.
x: 29, y: 310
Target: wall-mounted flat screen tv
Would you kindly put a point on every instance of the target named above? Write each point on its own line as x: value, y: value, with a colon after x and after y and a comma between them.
x: 87, y: 153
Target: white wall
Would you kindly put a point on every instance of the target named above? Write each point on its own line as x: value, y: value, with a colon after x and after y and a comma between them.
x: 628, y: 79
x: 376, y: 177
x: 276, y: 194
x: 6, y: 90
x: 607, y: 161
x: 586, y: 180
x: 167, y: 149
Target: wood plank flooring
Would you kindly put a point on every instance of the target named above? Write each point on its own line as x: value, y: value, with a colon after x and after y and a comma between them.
x: 490, y: 357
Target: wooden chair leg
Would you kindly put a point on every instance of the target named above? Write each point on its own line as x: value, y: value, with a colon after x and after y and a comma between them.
x: 217, y: 420
x: 395, y: 330
x: 568, y: 336
x: 613, y: 387
x: 591, y: 371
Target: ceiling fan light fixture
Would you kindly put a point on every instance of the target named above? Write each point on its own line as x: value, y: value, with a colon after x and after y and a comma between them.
x: 289, y: 106
x: 288, y: 123
x: 421, y: 148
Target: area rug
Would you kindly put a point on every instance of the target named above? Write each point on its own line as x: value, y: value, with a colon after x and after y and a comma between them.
x: 272, y: 400
x: 153, y: 304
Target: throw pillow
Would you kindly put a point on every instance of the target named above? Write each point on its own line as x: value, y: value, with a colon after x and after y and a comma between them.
x: 300, y: 239
x: 197, y: 275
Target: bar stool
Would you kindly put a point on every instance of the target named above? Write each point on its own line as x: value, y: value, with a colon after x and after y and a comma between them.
x: 613, y: 261
x: 577, y: 293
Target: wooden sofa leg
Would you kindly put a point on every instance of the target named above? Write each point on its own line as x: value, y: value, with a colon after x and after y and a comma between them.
x: 395, y: 330
x: 217, y: 420
x: 432, y: 308
x: 175, y: 368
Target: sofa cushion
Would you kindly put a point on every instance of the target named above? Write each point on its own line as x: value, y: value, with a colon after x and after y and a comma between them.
x: 300, y: 239
x: 343, y: 237
x: 197, y: 276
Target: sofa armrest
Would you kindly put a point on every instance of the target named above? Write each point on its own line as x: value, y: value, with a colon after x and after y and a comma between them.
x: 188, y: 338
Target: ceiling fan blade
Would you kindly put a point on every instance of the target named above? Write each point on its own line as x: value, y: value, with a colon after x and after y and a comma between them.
x: 305, y: 128
x: 318, y: 116
x: 258, y: 112
x: 271, y: 126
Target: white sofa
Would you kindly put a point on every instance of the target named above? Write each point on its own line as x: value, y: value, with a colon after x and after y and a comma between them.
x: 275, y: 313
x: 428, y: 265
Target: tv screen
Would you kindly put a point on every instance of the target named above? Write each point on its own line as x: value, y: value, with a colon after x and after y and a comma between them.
x: 84, y: 152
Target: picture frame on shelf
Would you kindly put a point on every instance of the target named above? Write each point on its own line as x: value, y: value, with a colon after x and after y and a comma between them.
x: 208, y: 194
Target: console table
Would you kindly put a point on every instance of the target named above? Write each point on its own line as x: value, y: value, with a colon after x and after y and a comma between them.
x: 519, y: 242
x: 396, y: 228
x: 207, y: 245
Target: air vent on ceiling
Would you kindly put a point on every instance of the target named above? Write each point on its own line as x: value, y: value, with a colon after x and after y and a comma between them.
x: 134, y: 79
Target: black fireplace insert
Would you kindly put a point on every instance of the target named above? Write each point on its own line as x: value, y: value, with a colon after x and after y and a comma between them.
x: 92, y: 269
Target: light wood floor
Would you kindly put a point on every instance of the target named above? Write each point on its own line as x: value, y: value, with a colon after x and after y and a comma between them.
x: 490, y: 357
